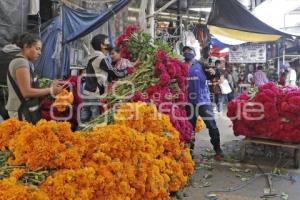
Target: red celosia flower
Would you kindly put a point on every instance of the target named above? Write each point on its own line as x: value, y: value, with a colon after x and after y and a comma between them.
x: 164, y: 79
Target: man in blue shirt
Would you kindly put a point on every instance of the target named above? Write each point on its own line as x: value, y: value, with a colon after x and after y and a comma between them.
x: 199, y: 99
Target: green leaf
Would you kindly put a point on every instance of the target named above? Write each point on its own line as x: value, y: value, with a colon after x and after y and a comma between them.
x: 212, y: 196
x: 245, y: 179
x: 284, y: 196
x: 267, y: 191
x: 205, y: 184
x: 238, y: 175
x: 207, y: 176
x: 234, y: 169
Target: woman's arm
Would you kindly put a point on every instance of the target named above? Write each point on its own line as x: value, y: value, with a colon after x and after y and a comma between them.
x: 24, y: 83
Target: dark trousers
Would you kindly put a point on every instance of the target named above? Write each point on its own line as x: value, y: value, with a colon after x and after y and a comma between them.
x: 230, y: 96
x: 206, y: 112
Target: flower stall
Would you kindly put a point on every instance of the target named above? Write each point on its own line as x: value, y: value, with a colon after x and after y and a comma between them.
x: 137, y: 158
x: 268, y: 112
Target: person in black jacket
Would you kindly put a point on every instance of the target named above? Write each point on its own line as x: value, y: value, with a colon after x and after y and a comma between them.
x: 99, y: 73
x: 7, y: 54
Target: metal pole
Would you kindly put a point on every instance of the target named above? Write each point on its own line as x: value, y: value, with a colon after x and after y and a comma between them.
x: 162, y: 8
x: 278, y: 62
x: 152, y: 20
x: 22, y: 19
x: 142, y: 15
x: 179, y: 19
x: 283, y: 56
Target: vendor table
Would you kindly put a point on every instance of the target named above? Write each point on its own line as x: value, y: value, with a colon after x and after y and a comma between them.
x: 266, y: 141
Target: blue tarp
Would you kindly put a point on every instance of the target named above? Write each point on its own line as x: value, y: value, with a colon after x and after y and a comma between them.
x: 78, y: 23
x: 215, y: 42
x: 50, y: 58
x: 74, y: 24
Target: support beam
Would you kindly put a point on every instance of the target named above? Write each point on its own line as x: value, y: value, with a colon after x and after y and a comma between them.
x: 162, y: 8
x: 152, y: 20
x: 142, y: 15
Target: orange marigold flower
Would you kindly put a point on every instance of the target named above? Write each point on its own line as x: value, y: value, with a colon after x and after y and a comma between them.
x: 9, y: 129
x: 63, y: 99
x: 48, y: 144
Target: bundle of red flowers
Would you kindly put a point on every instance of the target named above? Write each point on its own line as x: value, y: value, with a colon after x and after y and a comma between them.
x: 169, y: 90
x: 272, y: 113
x: 123, y: 38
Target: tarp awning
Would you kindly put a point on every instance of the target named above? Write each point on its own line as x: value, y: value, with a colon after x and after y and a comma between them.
x: 223, y: 41
x: 79, y: 23
x: 49, y: 62
x: 231, y: 19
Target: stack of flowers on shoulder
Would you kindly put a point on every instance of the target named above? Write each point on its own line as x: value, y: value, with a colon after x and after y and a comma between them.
x: 139, y: 156
x: 271, y: 112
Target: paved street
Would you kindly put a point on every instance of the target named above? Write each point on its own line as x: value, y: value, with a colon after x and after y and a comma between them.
x: 211, y: 176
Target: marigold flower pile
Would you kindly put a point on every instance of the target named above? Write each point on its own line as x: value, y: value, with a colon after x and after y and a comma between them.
x: 272, y: 112
x: 138, y: 157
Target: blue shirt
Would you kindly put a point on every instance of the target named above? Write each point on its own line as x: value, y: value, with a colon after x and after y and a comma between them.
x: 198, y: 92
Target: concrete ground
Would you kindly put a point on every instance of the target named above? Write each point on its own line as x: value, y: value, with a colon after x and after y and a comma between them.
x: 211, y: 176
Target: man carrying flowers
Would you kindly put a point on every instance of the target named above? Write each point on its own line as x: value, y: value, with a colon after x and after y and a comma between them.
x: 199, y: 99
x: 98, y: 73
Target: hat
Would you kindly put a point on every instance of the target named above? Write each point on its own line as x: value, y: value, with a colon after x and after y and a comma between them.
x: 190, y: 48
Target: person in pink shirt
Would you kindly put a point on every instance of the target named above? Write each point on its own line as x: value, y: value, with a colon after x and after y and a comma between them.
x: 260, y: 77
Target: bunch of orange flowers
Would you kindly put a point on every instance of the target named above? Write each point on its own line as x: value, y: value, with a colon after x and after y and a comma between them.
x: 11, y: 189
x: 8, y: 130
x: 137, y: 158
x: 63, y: 100
x: 199, y: 124
x: 47, y: 145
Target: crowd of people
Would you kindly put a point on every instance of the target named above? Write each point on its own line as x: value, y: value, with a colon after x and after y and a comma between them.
x: 240, y: 81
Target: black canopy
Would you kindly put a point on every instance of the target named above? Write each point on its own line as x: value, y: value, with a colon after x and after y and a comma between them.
x: 231, y: 14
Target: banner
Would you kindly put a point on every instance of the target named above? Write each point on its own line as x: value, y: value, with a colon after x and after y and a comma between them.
x: 248, y: 53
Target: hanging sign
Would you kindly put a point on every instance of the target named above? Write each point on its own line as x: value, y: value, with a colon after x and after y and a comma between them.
x: 248, y: 53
